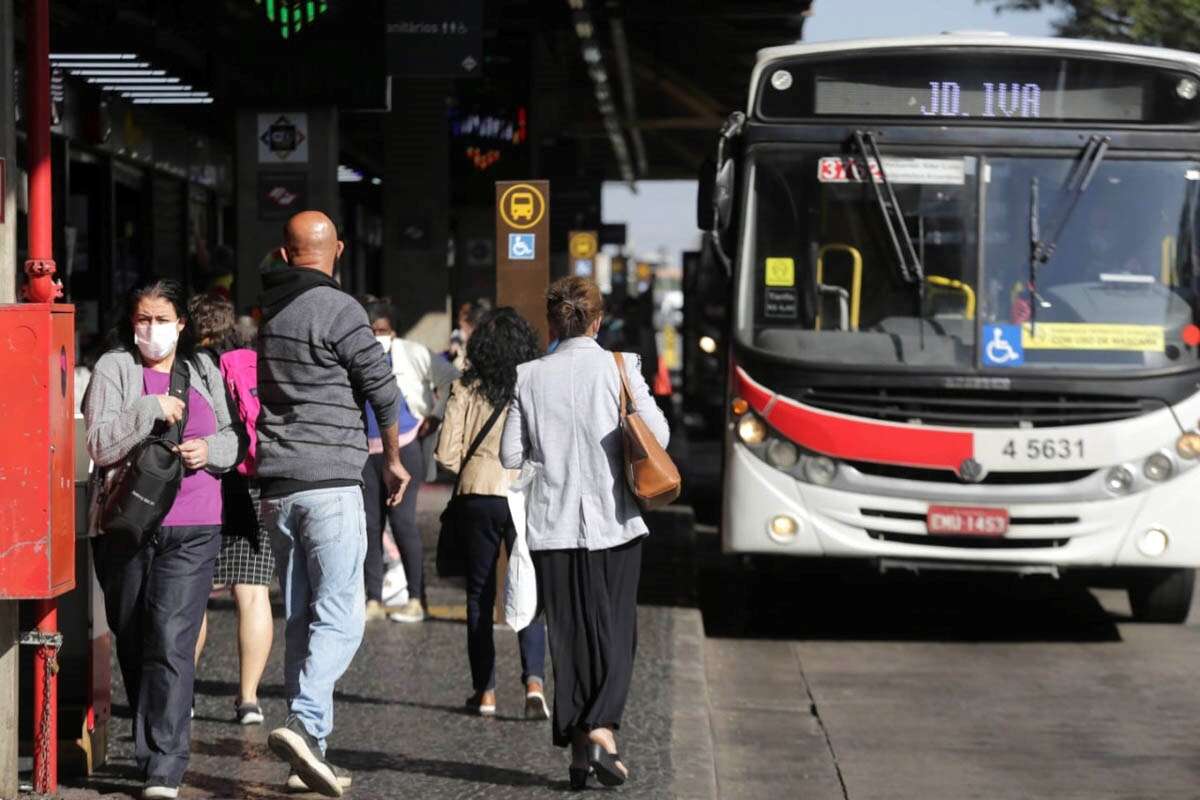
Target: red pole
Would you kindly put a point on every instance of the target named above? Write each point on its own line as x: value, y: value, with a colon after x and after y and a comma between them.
x: 41, y: 288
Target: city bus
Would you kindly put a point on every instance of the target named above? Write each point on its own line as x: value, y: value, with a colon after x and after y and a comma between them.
x: 963, y: 330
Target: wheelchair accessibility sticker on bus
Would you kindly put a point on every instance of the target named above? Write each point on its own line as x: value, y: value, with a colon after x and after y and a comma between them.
x: 1002, y: 346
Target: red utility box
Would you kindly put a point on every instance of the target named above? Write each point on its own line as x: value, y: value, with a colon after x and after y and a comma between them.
x: 37, y: 451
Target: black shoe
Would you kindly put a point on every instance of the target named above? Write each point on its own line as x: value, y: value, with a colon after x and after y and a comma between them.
x: 604, y: 764
x: 296, y: 746
x: 578, y: 776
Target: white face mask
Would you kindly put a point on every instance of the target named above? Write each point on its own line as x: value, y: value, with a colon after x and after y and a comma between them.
x: 385, y: 341
x: 156, y: 341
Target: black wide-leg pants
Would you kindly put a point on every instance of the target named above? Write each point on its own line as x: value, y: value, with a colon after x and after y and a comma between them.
x: 590, y: 602
x: 155, y: 593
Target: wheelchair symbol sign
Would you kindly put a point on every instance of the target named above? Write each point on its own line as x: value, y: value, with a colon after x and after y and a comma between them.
x: 1002, y: 346
x: 521, y: 246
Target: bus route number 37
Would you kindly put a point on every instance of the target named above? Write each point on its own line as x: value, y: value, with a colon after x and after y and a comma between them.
x: 1044, y: 449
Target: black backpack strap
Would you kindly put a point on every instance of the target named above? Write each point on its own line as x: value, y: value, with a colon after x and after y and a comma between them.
x: 181, y: 381
x: 476, y: 442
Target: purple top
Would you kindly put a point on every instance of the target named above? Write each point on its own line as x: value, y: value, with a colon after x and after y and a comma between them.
x: 199, y: 498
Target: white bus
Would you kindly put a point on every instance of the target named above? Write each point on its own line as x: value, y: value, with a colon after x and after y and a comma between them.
x: 964, y: 308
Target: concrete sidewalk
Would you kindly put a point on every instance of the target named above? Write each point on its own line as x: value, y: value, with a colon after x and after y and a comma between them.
x: 401, y: 728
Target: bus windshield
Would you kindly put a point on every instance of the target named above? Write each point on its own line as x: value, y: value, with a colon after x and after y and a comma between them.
x: 1118, y: 289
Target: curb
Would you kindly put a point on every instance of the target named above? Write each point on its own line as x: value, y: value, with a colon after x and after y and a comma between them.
x: 693, y: 760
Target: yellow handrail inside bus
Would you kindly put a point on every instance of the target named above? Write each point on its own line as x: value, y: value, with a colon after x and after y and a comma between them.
x: 856, y: 268
x: 956, y: 286
x: 1170, y: 275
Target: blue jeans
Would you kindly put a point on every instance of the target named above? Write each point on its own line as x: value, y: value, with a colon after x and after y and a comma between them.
x: 320, y: 539
x: 487, y: 523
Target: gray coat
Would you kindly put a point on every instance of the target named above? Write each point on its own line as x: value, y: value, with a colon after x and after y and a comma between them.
x: 565, y: 419
x: 118, y: 416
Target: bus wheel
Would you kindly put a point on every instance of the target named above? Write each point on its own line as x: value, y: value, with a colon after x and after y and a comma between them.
x: 1162, y: 595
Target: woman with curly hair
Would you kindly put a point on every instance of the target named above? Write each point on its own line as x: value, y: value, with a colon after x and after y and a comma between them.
x: 470, y: 446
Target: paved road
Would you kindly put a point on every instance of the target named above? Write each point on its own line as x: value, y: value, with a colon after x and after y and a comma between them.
x: 952, y: 688
x: 400, y: 725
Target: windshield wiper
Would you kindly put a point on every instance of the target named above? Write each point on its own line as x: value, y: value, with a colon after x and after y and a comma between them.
x: 907, y: 263
x: 1042, y: 250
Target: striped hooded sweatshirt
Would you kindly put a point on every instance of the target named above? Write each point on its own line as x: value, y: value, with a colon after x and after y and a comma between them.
x: 318, y: 362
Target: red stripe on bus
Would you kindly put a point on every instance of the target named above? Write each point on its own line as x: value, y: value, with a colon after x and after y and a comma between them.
x: 858, y: 440
x: 753, y: 393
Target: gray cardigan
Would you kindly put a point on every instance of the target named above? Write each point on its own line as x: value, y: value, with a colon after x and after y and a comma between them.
x: 118, y: 416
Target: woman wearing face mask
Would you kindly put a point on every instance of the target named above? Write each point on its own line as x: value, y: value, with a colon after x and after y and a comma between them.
x: 424, y: 380
x: 156, y: 588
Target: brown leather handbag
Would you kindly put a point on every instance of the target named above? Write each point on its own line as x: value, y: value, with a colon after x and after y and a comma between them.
x: 651, y: 474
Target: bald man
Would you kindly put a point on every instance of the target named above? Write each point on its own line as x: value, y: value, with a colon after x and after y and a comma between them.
x: 317, y: 361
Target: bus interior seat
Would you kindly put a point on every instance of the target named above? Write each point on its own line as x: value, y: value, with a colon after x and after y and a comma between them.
x: 843, y: 346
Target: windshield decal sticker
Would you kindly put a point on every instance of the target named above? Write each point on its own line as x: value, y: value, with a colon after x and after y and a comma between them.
x: 781, y: 304
x: 924, y: 171
x: 781, y: 272
x: 1002, y: 346
x: 1094, y: 336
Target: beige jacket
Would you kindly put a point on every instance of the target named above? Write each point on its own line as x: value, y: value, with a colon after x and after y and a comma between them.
x: 466, y: 414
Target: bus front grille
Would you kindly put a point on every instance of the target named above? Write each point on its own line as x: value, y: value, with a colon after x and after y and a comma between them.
x: 992, y: 478
x: 966, y: 542
x: 975, y: 409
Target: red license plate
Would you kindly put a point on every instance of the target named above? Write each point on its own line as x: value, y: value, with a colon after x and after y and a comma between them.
x: 957, y: 520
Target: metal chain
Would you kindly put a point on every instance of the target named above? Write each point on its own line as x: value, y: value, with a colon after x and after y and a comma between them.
x: 49, y: 670
x: 48, y: 643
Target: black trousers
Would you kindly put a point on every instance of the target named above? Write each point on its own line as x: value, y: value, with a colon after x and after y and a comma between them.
x: 590, y: 602
x: 154, y: 599
x: 403, y: 518
x: 488, y: 523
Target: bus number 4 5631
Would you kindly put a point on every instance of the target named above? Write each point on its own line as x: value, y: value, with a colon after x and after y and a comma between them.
x: 1045, y: 449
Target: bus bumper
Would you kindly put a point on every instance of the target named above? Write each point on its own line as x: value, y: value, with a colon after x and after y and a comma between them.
x: 847, y: 524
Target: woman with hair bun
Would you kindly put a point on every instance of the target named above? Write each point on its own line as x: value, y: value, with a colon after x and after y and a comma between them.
x: 584, y: 527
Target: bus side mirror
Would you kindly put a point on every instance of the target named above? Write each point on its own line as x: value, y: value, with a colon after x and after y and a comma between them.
x: 705, y: 191
x: 723, y: 191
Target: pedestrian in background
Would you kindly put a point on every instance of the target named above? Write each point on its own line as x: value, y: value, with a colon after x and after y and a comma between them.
x: 424, y: 380
x: 316, y: 357
x: 466, y: 321
x: 245, y: 564
x: 156, y: 587
x: 470, y: 447
x: 585, y: 530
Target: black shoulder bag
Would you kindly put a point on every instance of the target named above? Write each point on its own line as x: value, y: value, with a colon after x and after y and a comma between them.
x: 144, y: 489
x: 452, y: 543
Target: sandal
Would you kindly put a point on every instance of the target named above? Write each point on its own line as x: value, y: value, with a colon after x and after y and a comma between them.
x: 604, y: 764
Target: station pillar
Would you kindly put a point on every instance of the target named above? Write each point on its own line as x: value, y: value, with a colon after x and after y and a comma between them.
x: 9, y: 634
x: 287, y: 161
x: 416, y: 209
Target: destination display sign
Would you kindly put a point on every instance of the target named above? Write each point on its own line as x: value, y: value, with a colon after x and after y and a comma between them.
x: 995, y: 89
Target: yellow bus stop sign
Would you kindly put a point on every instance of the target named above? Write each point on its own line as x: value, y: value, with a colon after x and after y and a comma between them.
x: 583, y: 244
x: 522, y: 206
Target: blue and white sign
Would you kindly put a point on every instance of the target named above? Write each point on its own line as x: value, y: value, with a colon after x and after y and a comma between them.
x: 522, y: 246
x: 1002, y: 346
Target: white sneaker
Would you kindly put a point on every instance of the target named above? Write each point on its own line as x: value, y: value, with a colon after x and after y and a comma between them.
x: 412, y: 611
x: 159, y: 792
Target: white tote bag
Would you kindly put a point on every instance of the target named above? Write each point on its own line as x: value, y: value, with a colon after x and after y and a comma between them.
x: 520, y: 591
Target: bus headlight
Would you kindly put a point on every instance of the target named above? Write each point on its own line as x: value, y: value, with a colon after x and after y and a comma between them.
x: 820, y: 470
x: 782, y: 454
x: 751, y: 429
x: 1158, y: 467
x: 1188, y: 445
x: 708, y: 344
x: 1187, y: 88
x: 1119, y: 480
